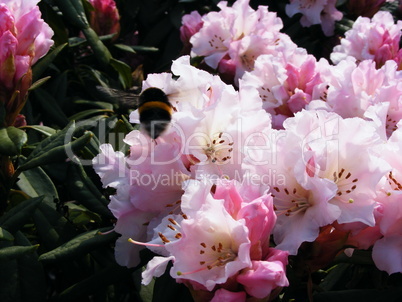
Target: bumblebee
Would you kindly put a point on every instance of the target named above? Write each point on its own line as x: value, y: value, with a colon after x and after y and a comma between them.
x: 155, y: 111
x: 153, y: 106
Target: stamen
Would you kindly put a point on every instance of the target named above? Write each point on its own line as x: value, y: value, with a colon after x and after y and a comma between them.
x: 144, y: 243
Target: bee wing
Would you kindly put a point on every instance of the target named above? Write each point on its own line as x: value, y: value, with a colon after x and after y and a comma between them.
x: 125, y: 99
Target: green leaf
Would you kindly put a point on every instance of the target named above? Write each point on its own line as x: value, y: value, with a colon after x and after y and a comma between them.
x: 144, y: 49
x: 335, y: 275
x: 101, y: 52
x: 128, y: 125
x: 80, y: 245
x: 32, y: 283
x: 14, y: 252
x: 53, y: 229
x: 56, y: 148
x: 86, y: 113
x: 17, y: 216
x: 35, y: 182
x: 124, y: 47
x: 81, y: 216
x: 124, y: 72
x: 12, y: 139
x: 5, y: 236
x: 39, y: 83
x: 74, y: 11
x: 146, y: 292
x: 85, y: 192
x: 100, y: 105
x: 39, y: 68
x: 42, y: 129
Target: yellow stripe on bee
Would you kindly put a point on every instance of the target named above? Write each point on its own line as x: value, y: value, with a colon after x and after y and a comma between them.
x: 155, y: 104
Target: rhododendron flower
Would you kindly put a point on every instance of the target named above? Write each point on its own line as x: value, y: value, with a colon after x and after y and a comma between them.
x: 317, y: 179
x: 301, y: 210
x: 212, y: 241
x: 230, y: 40
x: 387, y: 249
x: 376, y: 39
x: 264, y: 276
x: 225, y: 295
x: 359, y: 91
x: 24, y: 38
x: 191, y: 24
x: 211, y: 120
x: 321, y: 12
x: 285, y: 84
x: 145, y: 190
x: 334, y: 143
x: 105, y: 18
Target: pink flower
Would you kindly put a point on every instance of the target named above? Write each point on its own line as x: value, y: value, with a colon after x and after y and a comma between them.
x: 376, y: 39
x: 191, y: 24
x: 285, y: 84
x: 231, y: 225
x: 387, y: 250
x: 361, y: 91
x: 228, y: 296
x: 264, y: 276
x: 301, y: 209
x: 230, y: 40
x: 334, y: 143
x: 24, y: 38
x: 208, y: 119
x: 146, y: 189
x: 316, y: 12
x: 104, y: 19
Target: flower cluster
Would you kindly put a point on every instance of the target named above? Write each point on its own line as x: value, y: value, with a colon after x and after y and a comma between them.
x: 24, y: 38
x: 230, y: 40
x: 321, y: 12
x: 304, y: 149
x: 374, y: 39
x: 186, y: 198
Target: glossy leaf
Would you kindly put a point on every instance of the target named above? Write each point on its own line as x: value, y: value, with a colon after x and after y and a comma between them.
x: 81, y: 244
x: 85, y: 192
x: 48, y: 131
x: 56, y: 148
x: 53, y: 229
x: 44, y: 63
x: 74, y: 11
x: 22, y: 276
x: 14, y: 252
x: 124, y: 72
x: 4, y: 235
x: 17, y: 216
x: 87, y: 113
x: 35, y: 182
x: 39, y: 83
x: 12, y: 139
